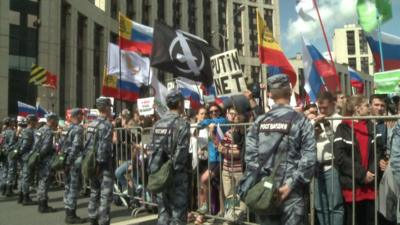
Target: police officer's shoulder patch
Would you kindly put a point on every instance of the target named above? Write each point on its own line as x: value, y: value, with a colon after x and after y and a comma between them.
x: 281, y: 126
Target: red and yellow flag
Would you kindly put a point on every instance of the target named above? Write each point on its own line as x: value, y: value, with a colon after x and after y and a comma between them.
x: 271, y: 53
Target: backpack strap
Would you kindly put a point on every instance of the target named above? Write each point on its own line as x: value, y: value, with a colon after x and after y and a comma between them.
x: 166, y: 138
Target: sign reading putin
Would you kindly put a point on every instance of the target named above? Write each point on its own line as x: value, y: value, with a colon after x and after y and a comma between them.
x: 227, y: 71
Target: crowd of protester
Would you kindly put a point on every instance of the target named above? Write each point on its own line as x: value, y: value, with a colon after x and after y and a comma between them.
x: 218, y: 146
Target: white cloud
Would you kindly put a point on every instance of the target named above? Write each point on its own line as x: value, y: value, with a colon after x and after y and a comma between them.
x: 334, y: 14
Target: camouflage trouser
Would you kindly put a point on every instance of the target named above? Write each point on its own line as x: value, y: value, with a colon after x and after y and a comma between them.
x: 44, y: 172
x: 24, y: 178
x: 12, y: 171
x: 101, y: 196
x: 173, y: 203
x: 292, y: 212
x: 3, y: 173
x: 72, y: 183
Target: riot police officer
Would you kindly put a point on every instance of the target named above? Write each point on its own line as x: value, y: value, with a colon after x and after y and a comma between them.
x: 26, y: 144
x: 172, y: 201
x: 297, y: 149
x: 9, y: 135
x: 73, y: 148
x: 45, y: 147
x: 101, y: 185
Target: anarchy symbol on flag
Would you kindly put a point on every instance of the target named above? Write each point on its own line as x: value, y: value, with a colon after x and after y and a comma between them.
x: 186, y: 56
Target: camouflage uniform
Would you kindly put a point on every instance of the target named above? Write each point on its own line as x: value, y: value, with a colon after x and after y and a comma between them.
x: 173, y: 202
x: 26, y: 144
x: 73, y: 147
x: 44, y: 146
x: 11, y: 165
x: 101, y: 185
x: 297, y: 166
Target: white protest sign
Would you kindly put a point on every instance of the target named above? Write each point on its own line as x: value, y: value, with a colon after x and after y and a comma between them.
x: 227, y: 71
x: 145, y: 106
x: 187, y: 104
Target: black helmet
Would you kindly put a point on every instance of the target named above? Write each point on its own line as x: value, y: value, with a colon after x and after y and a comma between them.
x: 103, y: 102
x: 31, y: 118
x: 7, y: 121
x: 173, y: 97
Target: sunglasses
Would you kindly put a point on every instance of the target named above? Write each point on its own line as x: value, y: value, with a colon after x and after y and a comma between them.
x: 213, y: 111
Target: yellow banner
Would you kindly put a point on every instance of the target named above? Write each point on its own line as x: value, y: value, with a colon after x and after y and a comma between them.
x: 125, y: 27
x: 265, y: 36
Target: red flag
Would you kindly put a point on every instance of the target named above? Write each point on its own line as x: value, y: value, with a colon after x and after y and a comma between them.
x: 51, y: 80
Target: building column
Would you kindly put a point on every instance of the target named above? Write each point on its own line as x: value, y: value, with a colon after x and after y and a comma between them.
x: 71, y: 58
x: 49, y: 50
x: 199, y: 19
x: 4, y: 55
x: 88, y: 80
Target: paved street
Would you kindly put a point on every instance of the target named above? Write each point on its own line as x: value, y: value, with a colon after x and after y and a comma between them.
x: 12, y: 213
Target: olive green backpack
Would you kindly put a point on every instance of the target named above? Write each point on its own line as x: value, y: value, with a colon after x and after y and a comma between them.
x: 162, y: 178
x: 89, y: 159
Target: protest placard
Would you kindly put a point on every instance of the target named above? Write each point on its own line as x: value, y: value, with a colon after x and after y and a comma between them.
x: 227, y: 71
x: 145, y: 106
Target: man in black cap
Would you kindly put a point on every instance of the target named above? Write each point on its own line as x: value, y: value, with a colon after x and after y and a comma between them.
x: 73, y: 148
x: 45, y: 147
x: 101, y: 185
x: 282, y: 140
x: 26, y: 144
x: 170, y: 139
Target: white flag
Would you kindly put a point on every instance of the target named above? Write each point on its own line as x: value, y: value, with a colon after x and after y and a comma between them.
x: 132, y: 65
x: 306, y: 10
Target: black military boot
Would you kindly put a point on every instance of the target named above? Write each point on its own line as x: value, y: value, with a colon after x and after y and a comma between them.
x: 27, y: 200
x: 44, y: 208
x: 20, y: 197
x: 9, y: 191
x: 72, y: 218
x: 93, y: 221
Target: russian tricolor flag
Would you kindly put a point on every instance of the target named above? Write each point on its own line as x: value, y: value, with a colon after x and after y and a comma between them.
x: 191, y: 91
x: 40, y: 111
x: 390, y: 49
x: 317, y: 71
x: 356, y: 80
x: 135, y: 36
x: 25, y: 109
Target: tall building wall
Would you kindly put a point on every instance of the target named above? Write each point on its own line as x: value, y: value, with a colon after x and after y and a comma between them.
x: 351, y: 47
x: 69, y: 38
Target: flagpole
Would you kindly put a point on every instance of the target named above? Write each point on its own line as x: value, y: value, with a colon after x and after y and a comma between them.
x: 380, y: 43
x: 120, y: 67
x: 326, y: 41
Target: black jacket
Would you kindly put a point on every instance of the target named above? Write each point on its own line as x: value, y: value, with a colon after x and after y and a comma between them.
x: 343, y: 155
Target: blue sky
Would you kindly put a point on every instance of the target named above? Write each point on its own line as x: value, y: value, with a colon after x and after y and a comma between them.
x: 337, y: 13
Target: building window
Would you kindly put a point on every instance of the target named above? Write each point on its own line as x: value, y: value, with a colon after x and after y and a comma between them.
x: 363, y: 43
x: 207, y: 20
x: 365, y: 65
x: 177, y: 8
x: 353, y: 63
x: 101, y: 4
x: 146, y: 12
x: 130, y: 9
x: 268, y: 17
x: 192, y: 16
x: 161, y: 10
x: 222, y: 24
x: 269, y: 2
x: 237, y: 29
x: 114, y: 38
x: 114, y: 9
x: 253, y: 31
x: 351, y: 47
x: 255, y: 73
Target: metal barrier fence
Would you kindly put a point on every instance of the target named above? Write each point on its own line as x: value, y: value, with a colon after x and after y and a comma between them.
x: 217, y: 183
